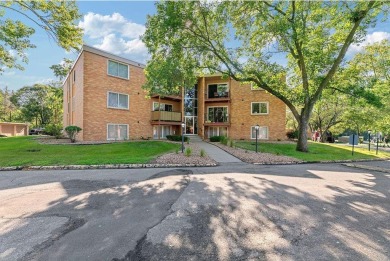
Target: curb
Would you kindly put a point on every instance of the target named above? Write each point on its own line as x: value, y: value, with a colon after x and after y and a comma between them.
x: 358, y: 166
x: 109, y: 166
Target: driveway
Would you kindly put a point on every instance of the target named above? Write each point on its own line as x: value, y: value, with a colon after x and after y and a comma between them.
x: 236, y: 211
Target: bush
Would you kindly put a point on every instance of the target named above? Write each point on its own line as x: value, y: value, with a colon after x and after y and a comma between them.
x: 72, y: 132
x: 202, y: 153
x: 292, y: 134
x: 216, y: 138
x: 177, y: 138
x: 188, y: 151
x: 224, y: 140
x: 231, y: 143
x: 54, y: 130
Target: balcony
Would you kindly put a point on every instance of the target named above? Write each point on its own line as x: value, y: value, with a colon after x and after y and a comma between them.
x: 171, y: 117
x: 217, y: 96
x: 217, y: 119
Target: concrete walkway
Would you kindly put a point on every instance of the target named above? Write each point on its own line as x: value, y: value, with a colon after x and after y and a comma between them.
x: 214, y: 152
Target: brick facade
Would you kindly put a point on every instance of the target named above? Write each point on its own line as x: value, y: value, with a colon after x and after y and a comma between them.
x: 88, y: 84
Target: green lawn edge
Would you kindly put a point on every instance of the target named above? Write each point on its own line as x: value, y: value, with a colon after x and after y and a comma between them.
x: 317, y: 151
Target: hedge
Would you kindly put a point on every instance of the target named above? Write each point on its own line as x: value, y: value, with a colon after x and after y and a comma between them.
x: 177, y: 138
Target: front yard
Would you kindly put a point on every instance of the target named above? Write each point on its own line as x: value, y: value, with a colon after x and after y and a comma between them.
x: 317, y: 151
x: 25, y: 151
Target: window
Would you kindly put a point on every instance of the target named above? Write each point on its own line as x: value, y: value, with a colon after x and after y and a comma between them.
x: 217, y: 131
x: 262, y: 133
x: 218, y: 90
x: 118, y: 69
x: 162, y: 107
x: 117, y: 100
x: 254, y: 87
x: 217, y: 114
x: 117, y: 131
x: 259, y: 108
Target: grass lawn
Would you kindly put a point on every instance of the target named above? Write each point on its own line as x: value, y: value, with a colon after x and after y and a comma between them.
x: 24, y: 151
x: 317, y: 151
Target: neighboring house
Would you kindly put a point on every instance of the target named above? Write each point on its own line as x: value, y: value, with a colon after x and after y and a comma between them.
x: 103, y: 95
x: 13, y: 129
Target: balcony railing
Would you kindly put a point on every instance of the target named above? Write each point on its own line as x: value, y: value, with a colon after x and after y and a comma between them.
x: 216, y: 119
x: 166, y: 116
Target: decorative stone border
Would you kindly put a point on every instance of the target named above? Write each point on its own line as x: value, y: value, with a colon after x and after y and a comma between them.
x: 108, y: 166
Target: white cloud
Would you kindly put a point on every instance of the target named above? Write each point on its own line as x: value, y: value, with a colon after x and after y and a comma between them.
x: 134, y: 48
x: 115, y: 34
x: 370, y: 39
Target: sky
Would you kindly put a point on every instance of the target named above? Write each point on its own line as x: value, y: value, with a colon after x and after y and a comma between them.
x: 114, y: 26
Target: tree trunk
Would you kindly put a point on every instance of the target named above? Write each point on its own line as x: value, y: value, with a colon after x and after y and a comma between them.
x: 302, y: 138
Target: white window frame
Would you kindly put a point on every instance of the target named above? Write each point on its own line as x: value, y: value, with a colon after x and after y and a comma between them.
x: 227, y: 84
x: 160, y: 104
x: 127, y: 126
x: 218, y: 132
x: 267, y: 103
x: 256, y: 89
x: 227, y: 110
x: 118, y: 108
x: 253, y: 138
x: 117, y: 76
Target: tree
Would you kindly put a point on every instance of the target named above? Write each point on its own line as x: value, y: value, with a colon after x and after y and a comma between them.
x: 7, y: 108
x: 41, y: 104
x: 62, y: 69
x: 57, y: 18
x: 239, y: 39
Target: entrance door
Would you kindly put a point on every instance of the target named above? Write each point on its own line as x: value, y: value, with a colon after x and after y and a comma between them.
x: 191, y: 124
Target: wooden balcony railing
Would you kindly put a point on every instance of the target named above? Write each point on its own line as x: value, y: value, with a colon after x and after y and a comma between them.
x: 166, y: 116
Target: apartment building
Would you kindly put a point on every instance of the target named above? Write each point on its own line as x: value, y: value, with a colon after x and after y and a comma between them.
x: 103, y: 95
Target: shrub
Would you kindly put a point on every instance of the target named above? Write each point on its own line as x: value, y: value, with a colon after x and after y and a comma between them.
x: 72, y: 132
x: 188, y: 151
x: 292, y: 134
x: 54, y: 130
x: 231, y: 143
x: 177, y: 138
x: 216, y: 138
x: 224, y: 140
x: 202, y: 153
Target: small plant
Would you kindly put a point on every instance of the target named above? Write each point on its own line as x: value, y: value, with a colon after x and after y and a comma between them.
x: 216, y: 138
x: 177, y: 151
x: 231, y: 143
x: 54, y: 130
x: 202, y: 153
x: 177, y: 138
x: 292, y: 134
x: 72, y: 132
x: 224, y: 140
x: 188, y: 151
x: 188, y: 141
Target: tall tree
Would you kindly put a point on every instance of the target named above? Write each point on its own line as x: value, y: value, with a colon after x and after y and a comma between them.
x: 7, y: 108
x: 239, y: 39
x: 57, y: 18
x: 37, y: 103
x: 61, y: 70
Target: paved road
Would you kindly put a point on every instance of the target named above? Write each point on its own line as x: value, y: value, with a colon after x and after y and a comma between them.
x: 235, y: 211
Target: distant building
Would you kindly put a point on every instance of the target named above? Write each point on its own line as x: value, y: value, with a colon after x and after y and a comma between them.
x: 103, y: 95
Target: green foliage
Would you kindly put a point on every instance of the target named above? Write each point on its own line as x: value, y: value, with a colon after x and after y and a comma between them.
x: 202, y: 153
x: 292, y: 134
x: 39, y: 104
x: 231, y: 143
x: 224, y: 140
x: 72, y: 132
x: 57, y: 18
x: 191, y: 38
x: 54, y: 130
x: 177, y: 138
x: 61, y: 70
x: 15, y: 151
x: 188, y: 152
x: 216, y: 138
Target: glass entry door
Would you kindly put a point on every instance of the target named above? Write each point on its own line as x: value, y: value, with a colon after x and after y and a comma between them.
x: 191, y: 124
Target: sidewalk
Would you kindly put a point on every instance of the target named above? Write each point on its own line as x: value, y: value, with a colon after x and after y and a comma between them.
x: 214, y: 152
x: 381, y: 166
